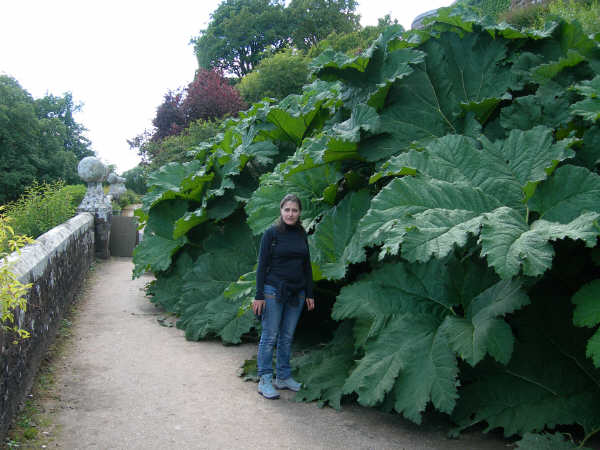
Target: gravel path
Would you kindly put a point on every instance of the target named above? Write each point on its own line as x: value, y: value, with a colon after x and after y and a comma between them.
x: 128, y: 383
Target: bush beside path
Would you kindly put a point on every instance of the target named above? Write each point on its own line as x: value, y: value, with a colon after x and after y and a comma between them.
x: 126, y: 382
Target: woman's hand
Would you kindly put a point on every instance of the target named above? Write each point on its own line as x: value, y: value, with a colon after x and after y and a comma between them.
x: 258, y: 306
x: 310, y: 303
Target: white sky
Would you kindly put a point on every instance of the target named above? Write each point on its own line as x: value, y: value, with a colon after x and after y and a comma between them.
x: 119, y: 58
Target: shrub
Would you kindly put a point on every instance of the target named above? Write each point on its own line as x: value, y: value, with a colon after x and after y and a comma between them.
x: 128, y: 198
x: 587, y: 13
x: 584, y: 12
x: 529, y: 16
x: 42, y: 207
x: 76, y: 192
x: 276, y: 76
x: 12, y: 291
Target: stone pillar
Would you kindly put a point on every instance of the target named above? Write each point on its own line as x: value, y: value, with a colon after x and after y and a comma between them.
x: 93, y: 172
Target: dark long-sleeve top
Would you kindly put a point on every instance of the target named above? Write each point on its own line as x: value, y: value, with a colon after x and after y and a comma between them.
x: 287, y: 260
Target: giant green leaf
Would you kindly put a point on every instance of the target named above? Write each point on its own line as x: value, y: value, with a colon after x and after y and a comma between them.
x: 433, y: 215
x: 549, y: 106
x: 547, y: 441
x: 412, y: 356
x: 229, y: 254
x: 310, y: 185
x: 456, y: 159
x: 338, y: 143
x: 459, y: 188
x: 368, y: 76
x: 295, y: 113
x: 154, y: 253
x: 588, y: 155
x: 587, y: 314
x: 589, y: 108
x: 569, y: 192
x: 529, y: 155
x: 324, y: 371
x: 163, y: 215
x: 159, y: 244
x: 549, y: 70
x: 509, y: 243
x: 483, y: 331
x: 550, y: 381
x: 397, y: 289
x: 332, y: 246
x: 167, y: 289
x: 168, y: 182
x: 458, y: 70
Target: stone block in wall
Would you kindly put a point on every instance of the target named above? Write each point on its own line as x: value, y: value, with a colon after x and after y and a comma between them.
x: 56, y: 265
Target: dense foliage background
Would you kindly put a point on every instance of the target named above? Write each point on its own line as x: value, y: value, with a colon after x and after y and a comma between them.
x: 39, y: 139
x: 451, y: 191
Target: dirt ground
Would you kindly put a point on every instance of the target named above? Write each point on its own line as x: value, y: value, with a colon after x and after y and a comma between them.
x: 126, y: 382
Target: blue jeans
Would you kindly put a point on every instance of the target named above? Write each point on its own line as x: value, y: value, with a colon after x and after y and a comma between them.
x: 279, y: 322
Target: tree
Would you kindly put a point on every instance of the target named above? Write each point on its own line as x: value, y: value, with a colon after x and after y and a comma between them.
x: 135, y: 179
x: 313, y: 20
x: 276, y: 76
x: 239, y: 33
x: 176, y: 148
x: 19, y: 143
x: 210, y: 96
x: 62, y: 143
x: 39, y: 139
x: 353, y: 42
x: 62, y: 109
x: 169, y: 118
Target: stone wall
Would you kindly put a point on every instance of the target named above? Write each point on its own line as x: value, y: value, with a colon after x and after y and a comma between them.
x: 56, y: 265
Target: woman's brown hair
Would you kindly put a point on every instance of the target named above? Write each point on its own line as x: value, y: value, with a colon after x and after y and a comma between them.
x: 290, y: 198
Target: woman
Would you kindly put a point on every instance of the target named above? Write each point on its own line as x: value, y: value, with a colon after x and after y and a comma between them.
x: 283, y: 284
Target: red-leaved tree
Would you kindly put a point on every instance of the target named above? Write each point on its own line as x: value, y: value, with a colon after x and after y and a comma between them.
x: 170, y: 118
x: 210, y: 96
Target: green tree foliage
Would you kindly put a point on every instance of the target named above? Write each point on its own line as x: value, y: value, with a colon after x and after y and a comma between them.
x: 62, y: 108
x: 19, y: 139
x: 39, y: 139
x: 239, y: 33
x: 353, y: 42
x: 174, y: 148
x: 491, y: 8
x: 313, y: 20
x: 275, y: 77
x: 450, y: 177
x: 135, y: 179
x: 243, y: 32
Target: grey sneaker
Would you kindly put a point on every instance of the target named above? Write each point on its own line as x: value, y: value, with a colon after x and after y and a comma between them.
x: 288, y: 383
x: 265, y: 387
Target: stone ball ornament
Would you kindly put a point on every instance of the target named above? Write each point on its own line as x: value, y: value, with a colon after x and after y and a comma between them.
x: 91, y: 169
x: 113, y: 178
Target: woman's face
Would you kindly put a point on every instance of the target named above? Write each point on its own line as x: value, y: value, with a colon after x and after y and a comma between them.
x: 290, y: 212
